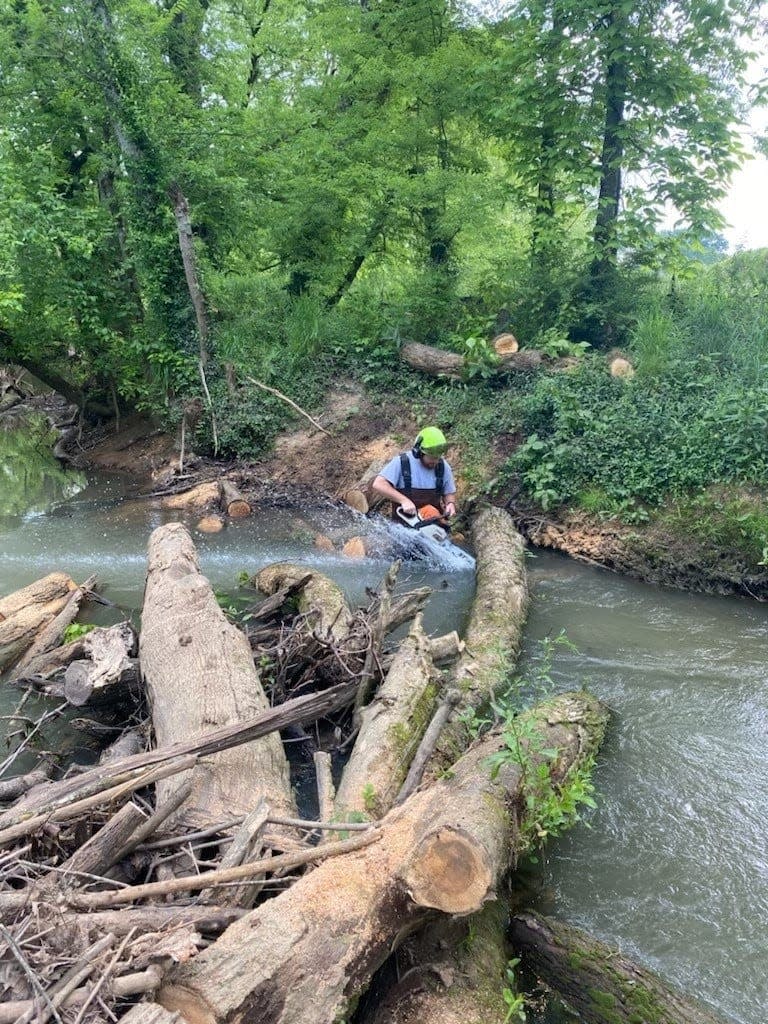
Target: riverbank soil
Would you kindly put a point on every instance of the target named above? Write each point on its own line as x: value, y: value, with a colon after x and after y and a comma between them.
x: 355, y: 430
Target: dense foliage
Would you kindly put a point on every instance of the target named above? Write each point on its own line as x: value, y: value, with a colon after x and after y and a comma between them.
x: 197, y: 192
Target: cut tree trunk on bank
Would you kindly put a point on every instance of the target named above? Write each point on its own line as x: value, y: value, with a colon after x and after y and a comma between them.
x: 320, y: 597
x: 361, y: 496
x: 200, y: 675
x: 233, y: 502
x: 25, y: 612
x: 52, y: 635
x: 436, y: 362
x: 108, y: 669
x: 495, y: 629
x: 306, y: 955
x: 391, y: 726
x: 205, y: 495
x: 598, y: 982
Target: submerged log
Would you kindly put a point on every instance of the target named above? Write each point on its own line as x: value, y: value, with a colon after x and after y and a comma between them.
x: 25, y: 612
x: 596, y: 981
x: 200, y: 675
x: 306, y: 955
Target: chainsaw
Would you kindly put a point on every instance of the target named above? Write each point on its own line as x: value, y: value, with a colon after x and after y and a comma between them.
x: 433, y: 534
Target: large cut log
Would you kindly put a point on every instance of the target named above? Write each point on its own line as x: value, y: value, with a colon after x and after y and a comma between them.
x: 600, y: 984
x: 200, y: 675
x: 495, y: 629
x: 320, y: 597
x: 391, y: 726
x: 233, y: 502
x: 437, y: 362
x: 205, y: 495
x: 107, y: 669
x: 306, y: 955
x: 25, y: 612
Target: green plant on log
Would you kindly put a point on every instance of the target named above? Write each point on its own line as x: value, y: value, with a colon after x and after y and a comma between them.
x: 76, y: 630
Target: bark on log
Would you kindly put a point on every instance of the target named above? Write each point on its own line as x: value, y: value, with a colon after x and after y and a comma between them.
x: 307, y: 954
x: 51, y: 636
x: 205, y: 495
x: 25, y: 612
x: 103, y: 848
x: 11, y: 789
x: 108, y: 667
x: 199, y: 673
x: 319, y: 595
x: 438, y: 363
x: 391, y: 727
x: 598, y: 982
x: 495, y: 628
x: 446, y: 648
x: 233, y: 502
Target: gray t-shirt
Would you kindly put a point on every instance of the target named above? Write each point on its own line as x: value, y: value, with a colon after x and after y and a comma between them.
x: 420, y: 476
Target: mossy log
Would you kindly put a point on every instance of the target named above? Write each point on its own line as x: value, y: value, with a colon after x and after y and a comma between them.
x: 25, y: 612
x: 600, y: 984
x: 306, y: 955
x: 391, y: 726
x: 495, y: 629
x: 199, y: 673
x: 320, y: 596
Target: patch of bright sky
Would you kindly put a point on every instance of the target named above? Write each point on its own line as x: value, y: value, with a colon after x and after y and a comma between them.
x: 746, y: 205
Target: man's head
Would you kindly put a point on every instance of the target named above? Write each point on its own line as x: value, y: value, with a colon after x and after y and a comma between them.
x: 430, y: 446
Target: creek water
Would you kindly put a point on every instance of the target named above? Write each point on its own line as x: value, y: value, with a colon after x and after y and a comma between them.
x: 673, y: 869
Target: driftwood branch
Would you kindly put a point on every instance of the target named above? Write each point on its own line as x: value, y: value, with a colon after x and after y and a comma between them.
x: 284, y: 398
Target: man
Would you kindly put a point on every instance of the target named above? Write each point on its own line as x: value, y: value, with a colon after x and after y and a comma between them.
x: 419, y: 477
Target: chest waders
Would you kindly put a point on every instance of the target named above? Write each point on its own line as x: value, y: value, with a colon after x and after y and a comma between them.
x: 421, y: 496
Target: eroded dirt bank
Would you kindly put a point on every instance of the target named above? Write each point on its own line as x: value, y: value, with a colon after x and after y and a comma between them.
x: 357, y: 430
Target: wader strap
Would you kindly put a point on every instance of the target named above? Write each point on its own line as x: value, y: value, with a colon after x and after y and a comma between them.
x: 405, y: 472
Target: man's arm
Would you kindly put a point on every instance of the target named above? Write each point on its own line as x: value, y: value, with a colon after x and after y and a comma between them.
x: 383, y: 487
x: 449, y: 504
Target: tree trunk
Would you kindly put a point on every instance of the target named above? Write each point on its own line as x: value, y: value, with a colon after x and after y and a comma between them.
x: 25, y: 612
x: 233, y: 503
x: 438, y: 363
x: 189, y: 260
x: 200, y: 675
x: 601, y: 985
x: 307, y: 954
x: 495, y: 628
x: 390, y: 729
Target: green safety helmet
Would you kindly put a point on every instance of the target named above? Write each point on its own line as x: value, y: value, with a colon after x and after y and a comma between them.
x: 430, y: 441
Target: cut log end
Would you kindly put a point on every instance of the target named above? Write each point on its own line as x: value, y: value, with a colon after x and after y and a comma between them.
x: 449, y: 871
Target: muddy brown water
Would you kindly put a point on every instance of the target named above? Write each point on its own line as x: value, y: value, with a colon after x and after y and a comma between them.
x: 673, y: 869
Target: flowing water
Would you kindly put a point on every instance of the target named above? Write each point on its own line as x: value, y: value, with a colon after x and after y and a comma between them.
x: 673, y: 869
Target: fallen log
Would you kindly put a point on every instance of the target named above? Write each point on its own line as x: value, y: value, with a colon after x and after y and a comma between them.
x: 306, y: 955
x: 25, y: 612
x: 233, y: 502
x: 108, y: 668
x: 200, y: 674
x: 51, y: 636
x: 391, y: 726
x: 320, y: 597
x: 598, y: 982
x: 196, y: 499
x: 437, y: 362
x: 495, y: 629
x: 11, y: 789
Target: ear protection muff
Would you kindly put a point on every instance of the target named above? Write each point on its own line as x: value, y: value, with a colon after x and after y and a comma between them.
x: 416, y: 451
